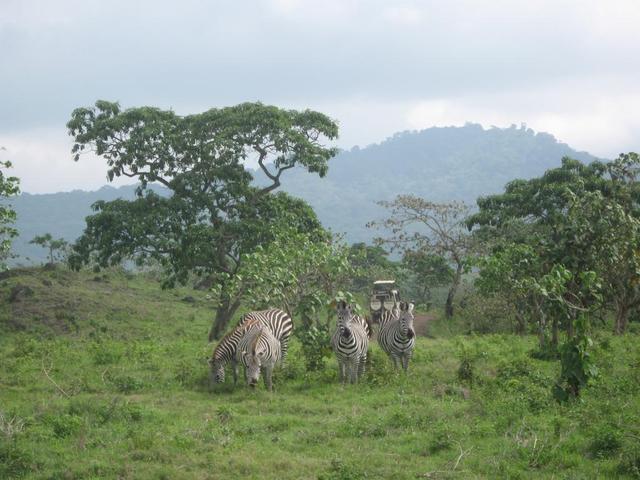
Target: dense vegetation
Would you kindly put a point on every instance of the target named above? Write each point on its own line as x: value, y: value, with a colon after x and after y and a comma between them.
x: 105, y: 376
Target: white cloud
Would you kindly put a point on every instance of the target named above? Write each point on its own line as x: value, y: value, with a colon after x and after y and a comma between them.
x: 43, y: 162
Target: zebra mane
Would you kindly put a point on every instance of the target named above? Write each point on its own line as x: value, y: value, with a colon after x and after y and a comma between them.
x: 234, y: 334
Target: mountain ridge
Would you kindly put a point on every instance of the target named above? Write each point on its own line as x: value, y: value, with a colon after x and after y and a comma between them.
x: 438, y: 163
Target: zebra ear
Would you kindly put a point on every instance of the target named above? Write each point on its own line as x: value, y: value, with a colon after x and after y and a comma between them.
x: 410, y: 307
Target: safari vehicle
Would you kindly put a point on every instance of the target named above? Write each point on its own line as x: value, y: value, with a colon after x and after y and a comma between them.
x: 383, y: 298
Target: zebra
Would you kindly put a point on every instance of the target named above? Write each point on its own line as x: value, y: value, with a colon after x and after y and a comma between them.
x: 225, y: 351
x: 350, y: 343
x: 278, y: 321
x: 258, y: 348
x: 397, y: 336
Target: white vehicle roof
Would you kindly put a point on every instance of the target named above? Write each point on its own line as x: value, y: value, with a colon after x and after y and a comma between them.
x: 383, y: 282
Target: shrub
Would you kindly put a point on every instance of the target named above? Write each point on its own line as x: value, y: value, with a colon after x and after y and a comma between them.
x: 316, y: 347
x: 341, y: 471
x: 486, y: 314
x: 14, y: 461
x: 127, y: 383
x: 606, y: 442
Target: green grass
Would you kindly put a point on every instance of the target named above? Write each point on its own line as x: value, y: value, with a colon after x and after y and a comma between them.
x: 124, y: 394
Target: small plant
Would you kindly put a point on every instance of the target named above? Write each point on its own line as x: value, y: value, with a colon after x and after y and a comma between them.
x: 339, y: 470
x: 606, y: 442
x: 466, y: 369
x: 315, y: 346
x: 224, y: 414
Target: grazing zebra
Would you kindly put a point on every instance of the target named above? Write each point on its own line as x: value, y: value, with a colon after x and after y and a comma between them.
x: 397, y: 336
x: 225, y: 351
x: 277, y: 321
x: 258, y: 348
x: 350, y: 342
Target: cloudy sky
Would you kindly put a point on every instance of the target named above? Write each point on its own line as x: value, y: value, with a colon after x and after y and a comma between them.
x: 570, y: 68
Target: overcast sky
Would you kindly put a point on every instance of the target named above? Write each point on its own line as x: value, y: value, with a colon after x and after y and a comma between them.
x: 570, y: 68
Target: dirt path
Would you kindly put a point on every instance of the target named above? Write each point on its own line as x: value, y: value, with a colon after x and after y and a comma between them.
x: 421, y: 323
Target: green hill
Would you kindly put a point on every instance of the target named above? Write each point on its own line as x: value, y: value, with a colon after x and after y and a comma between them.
x: 442, y: 164
x: 105, y: 376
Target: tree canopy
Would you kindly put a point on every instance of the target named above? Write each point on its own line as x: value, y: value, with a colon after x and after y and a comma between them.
x: 9, y: 186
x: 214, y: 213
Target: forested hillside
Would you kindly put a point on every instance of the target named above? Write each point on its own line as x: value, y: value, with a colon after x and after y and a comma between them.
x: 441, y: 164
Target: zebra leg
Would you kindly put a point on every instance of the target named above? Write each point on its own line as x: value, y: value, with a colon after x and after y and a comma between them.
x: 353, y: 372
x: 361, y: 366
x: 267, y: 378
x: 405, y: 362
x: 395, y: 361
x: 341, y: 371
x: 234, y: 369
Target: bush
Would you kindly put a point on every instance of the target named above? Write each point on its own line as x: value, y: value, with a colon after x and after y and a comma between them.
x: 341, y: 471
x: 379, y: 368
x: 316, y: 347
x: 606, y: 442
x: 14, y: 461
x: 490, y: 314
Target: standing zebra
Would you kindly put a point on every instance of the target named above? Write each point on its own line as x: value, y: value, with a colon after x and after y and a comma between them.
x: 225, y: 351
x: 278, y: 321
x: 258, y: 348
x: 350, y: 342
x: 397, y: 336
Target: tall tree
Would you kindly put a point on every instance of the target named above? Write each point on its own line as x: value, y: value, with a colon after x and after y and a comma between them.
x: 213, y: 214
x: 418, y: 225
x: 9, y: 186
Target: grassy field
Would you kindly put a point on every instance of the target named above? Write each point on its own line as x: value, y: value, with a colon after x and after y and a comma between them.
x: 105, y: 376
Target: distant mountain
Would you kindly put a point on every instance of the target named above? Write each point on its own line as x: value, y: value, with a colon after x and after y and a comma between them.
x: 441, y: 164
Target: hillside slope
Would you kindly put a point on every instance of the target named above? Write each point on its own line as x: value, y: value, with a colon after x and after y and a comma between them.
x: 441, y: 164
x: 123, y: 393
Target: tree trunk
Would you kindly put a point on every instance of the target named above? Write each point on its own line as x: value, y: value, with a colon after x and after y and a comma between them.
x: 622, y: 317
x: 521, y: 324
x: 448, y: 308
x: 224, y: 312
x: 554, y: 332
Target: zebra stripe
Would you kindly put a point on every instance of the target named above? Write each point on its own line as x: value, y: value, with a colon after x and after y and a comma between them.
x: 258, y: 348
x: 278, y: 321
x: 225, y: 352
x: 350, y: 342
x: 397, y: 336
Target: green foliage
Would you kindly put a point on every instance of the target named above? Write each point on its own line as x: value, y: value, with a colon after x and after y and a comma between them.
x: 173, y: 427
x: 300, y: 271
x: 57, y: 247
x: 606, y: 441
x: 339, y: 470
x: 214, y: 215
x: 9, y: 186
x: 316, y: 348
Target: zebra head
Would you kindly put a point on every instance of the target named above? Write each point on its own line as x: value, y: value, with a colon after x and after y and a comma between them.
x: 345, y: 316
x: 217, y: 369
x: 406, y: 319
x: 254, y: 359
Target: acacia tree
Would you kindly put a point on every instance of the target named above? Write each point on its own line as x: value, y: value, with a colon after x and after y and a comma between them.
x: 419, y: 225
x: 213, y: 214
x: 56, y: 247
x: 9, y: 186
